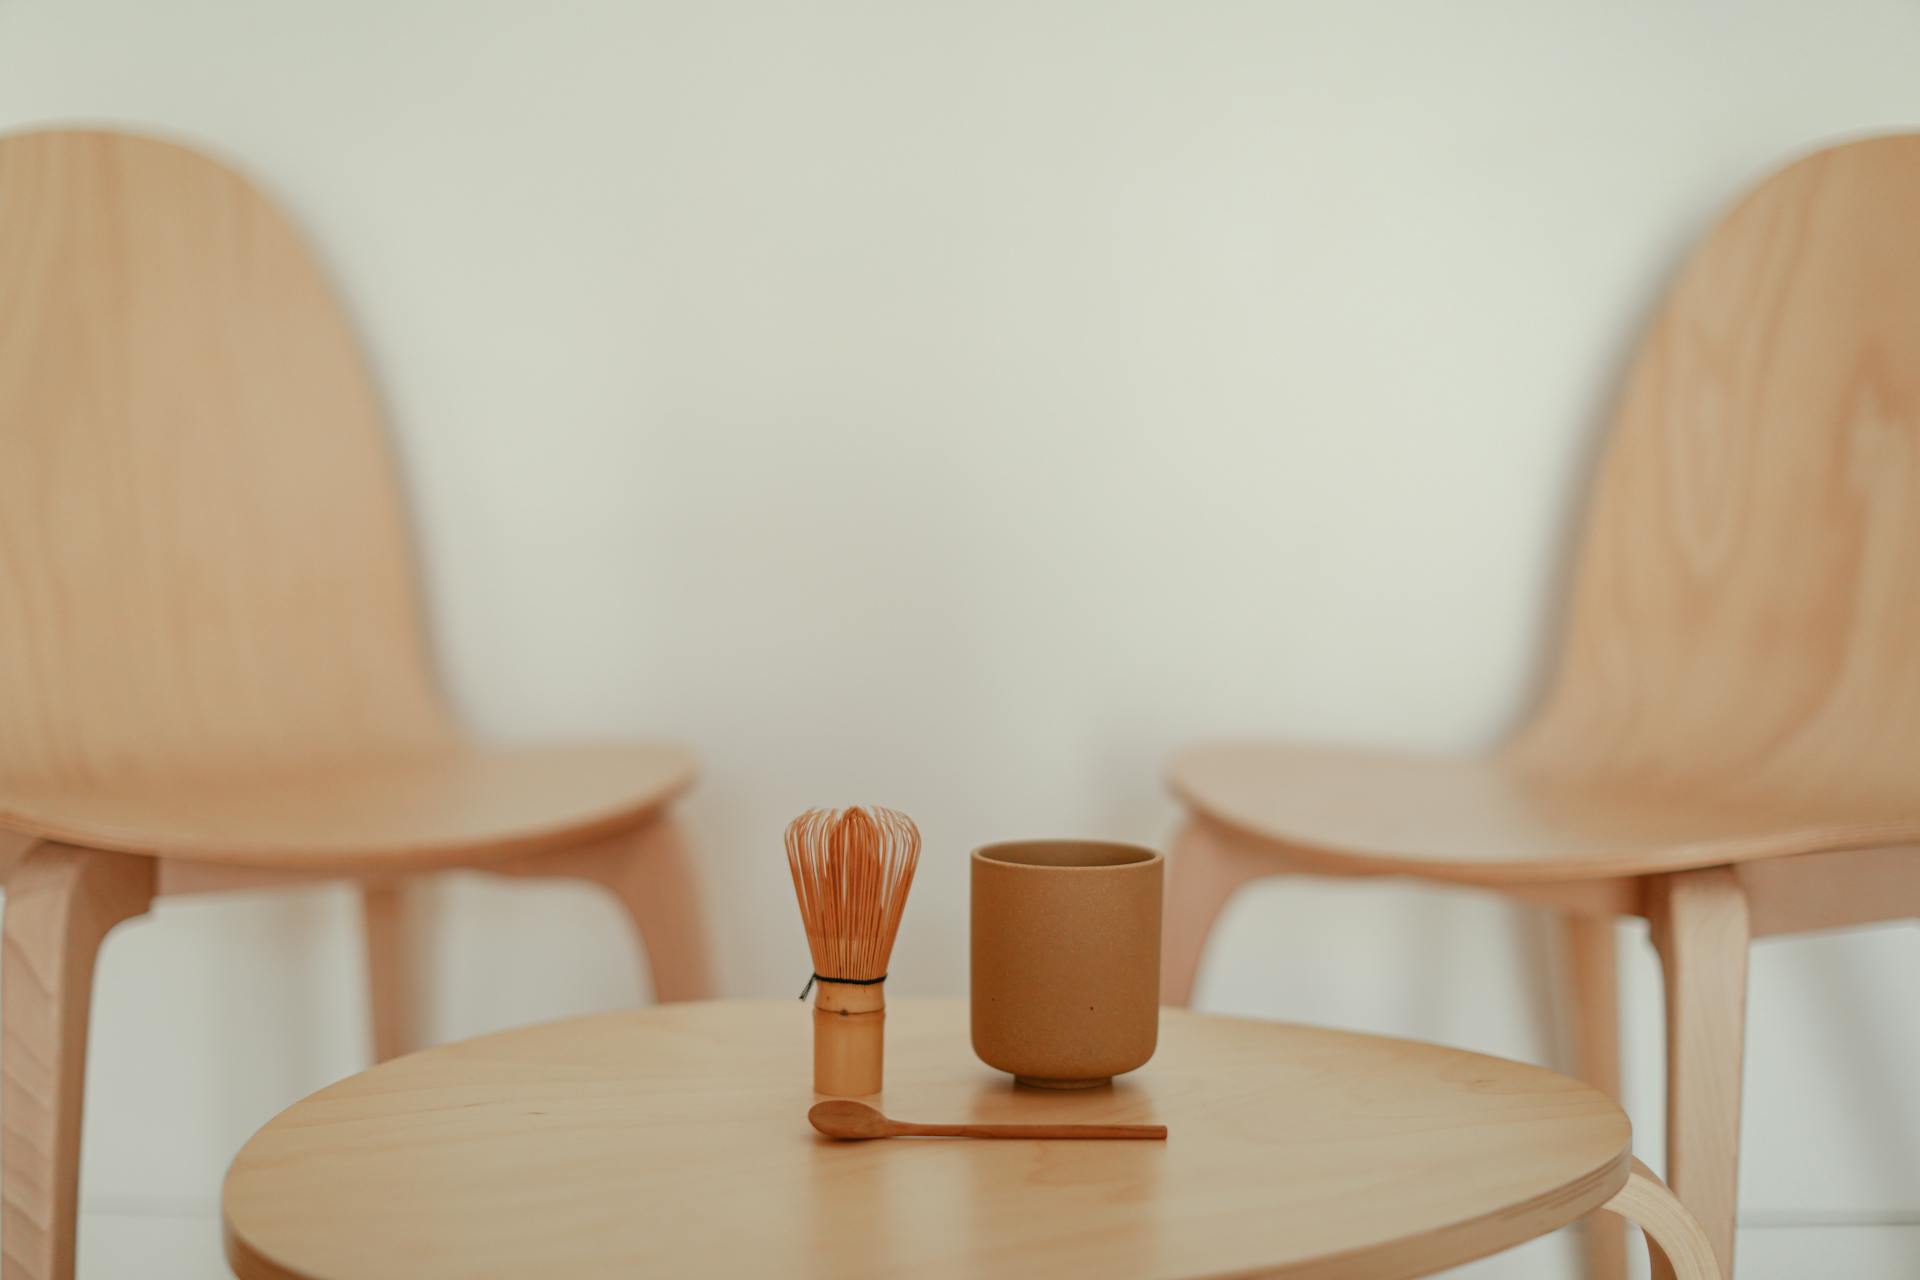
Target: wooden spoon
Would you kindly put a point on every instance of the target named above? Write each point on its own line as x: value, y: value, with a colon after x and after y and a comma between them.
x: 856, y: 1122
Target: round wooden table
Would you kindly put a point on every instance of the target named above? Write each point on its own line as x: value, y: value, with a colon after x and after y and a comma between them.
x: 674, y: 1141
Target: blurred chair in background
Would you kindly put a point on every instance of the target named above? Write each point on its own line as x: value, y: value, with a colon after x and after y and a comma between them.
x: 213, y: 671
x: 1730, y: 746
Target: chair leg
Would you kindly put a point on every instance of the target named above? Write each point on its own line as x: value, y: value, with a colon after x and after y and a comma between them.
x: 1701, y: 929
x: 1593, y: 979
x: 1207, y: 866
x: 1676, y: 1245
x: 654, y: 881
x: 61, y: 902
x: 651, y: 874
x: 393, y: 977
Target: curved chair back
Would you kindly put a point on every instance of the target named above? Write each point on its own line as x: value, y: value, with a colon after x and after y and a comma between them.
x: 204, y: 561
x: 1746, y: 608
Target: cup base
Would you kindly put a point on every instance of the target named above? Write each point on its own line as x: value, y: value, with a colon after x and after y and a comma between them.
x: 1092, y: 1083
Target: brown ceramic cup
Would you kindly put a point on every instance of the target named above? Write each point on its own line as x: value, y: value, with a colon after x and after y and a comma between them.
x: 1066, y: 959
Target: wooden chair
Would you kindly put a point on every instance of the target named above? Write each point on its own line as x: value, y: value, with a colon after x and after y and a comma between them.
x: 1729, y: 744
x: 213, y: 671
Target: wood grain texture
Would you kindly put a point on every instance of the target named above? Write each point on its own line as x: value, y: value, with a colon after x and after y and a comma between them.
x: 211, y: 643
x: 60, y: 905
x: 1743, y: 621
x: 1700, y: 927
x: 1737, y: 676
x: 674, y: 1141
x: 1677, y: 1247
x: 212, y: 661
x: 204, y: 560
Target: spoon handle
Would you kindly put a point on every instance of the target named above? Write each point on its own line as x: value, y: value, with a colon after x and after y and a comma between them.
x: 1029, y: 1130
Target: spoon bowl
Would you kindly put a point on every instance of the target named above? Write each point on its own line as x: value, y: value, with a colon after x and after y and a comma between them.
x: 849, y: 1121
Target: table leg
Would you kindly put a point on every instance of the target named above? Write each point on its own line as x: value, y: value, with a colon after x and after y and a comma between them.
x: 1676, y: 1246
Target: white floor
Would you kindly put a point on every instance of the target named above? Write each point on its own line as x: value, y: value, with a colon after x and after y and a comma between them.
x: 183, y: 1243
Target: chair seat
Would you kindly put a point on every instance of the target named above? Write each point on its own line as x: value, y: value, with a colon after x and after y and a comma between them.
x: 459, y: 805
x: 1484, y: 819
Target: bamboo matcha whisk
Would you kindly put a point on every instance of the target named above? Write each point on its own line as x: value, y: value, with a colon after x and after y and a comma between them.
x: 851, y: 872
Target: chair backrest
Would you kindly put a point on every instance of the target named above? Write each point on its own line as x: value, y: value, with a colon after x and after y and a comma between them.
x: 1746, y: 607
x: 204, y: 559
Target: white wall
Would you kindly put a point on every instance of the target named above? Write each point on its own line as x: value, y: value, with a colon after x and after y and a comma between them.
x: 957, y: 406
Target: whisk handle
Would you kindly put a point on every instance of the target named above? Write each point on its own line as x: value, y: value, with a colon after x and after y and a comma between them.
x: 849, y: 1038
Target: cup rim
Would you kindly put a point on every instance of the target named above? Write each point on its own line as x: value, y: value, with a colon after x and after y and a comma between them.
x: 987, y: 854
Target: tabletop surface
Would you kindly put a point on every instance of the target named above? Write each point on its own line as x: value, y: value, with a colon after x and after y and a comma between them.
x: 674, y: 1141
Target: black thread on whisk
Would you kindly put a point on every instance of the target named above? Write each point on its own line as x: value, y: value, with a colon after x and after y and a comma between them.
x: 845, y: 982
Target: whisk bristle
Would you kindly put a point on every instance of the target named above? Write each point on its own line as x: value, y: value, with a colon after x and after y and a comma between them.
x: 851, y: 872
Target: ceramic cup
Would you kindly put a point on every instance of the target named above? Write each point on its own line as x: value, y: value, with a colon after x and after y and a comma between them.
x: 1066, y: 959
